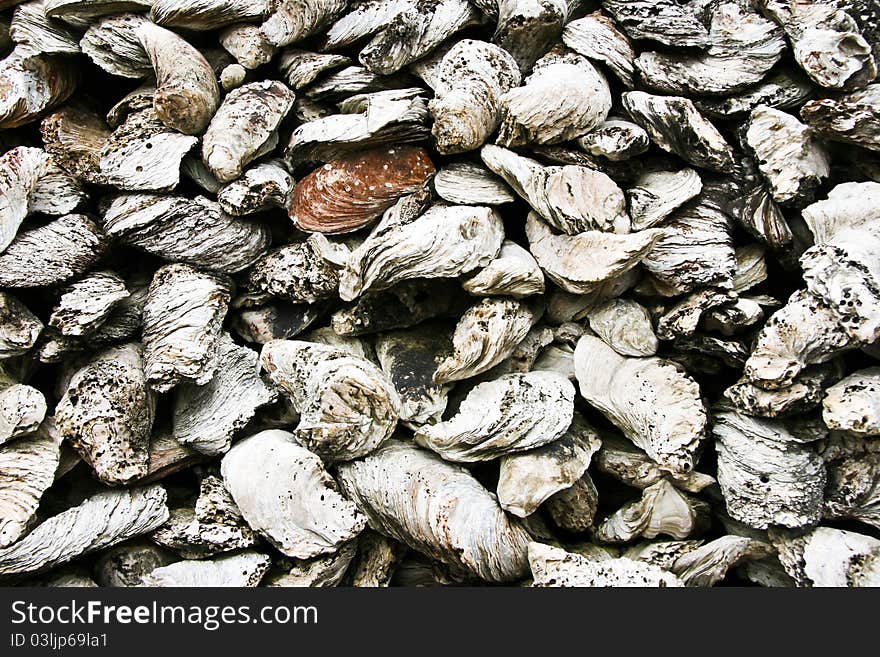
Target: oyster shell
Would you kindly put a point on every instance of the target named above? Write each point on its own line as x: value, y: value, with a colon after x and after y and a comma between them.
x: 485, y: 335
x: 182, y: 320
x: 347, y: 405
x: 552, y: 566
x: 437, y: 508
x: 564, y: 97
x: 792, y: 161
x: 195, y: 231
x: 827, y: 557
x: 207, y: 14
x: 615, y: 139
x: 657, y: 194
x: 853, y: 488
x: 244, y: 122
x: 261, y: 187
x: 529, y: 478
x: 32, y: 83
x: 208, y: 417
x: 444, y: 242
x: 53, y: 253
x: 107, y: 518
x: 514, y: 272
x: 468, y: 86
x: 572, y: 199
x: 657, y: 407
x: 582, y: 263
x: 349, y: 193
x: 513, y: 413
x: 625, y: 326
x: 87, y: 303
x: 293, y: 20
x: 237, y: 570
x: 27, y: 470
x: 285, y: 494
x: 670, y: 22
x: 20, y: 172
x: 853, y: 404
x: 624, y: 461
x: 767, y: 476
x: 467, y: 183
x: 853, y: 118
x: 676, y: 126
x: 107, y: 414
x: 597, y: 37
x: 19, y: 327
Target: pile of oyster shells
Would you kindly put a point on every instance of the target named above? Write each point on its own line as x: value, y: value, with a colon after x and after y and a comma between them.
x: 420, y: 292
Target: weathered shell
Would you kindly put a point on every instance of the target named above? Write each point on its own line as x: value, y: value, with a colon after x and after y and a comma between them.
x: 670, y: 22
x: 529, y: 478
x: 57, y: 193
x: 676, y: 126
x: 853, y: 487
x: 182, y: 319
x: 781, y: 90
x: 844, y: 274
x: 596, y: 36
x: 20, y: 172
x: 573, y: 509
x: 395, y: 116
x: 325, y: 571
x: 437, y: 508
x: 657, y: 194
x: 485, y: 335
x: 766, y: 475
x: 527, y: 28
x: 709, y: 564
x: 409, y: 359
x: 207, y: 417
x: 304, y: 272
x: 237, y: 570
x: 292, y: 20
x: 564, y: 97
x: 514, y: 272
x: 187, y: 94
x: 278, y: 321
x: 377, y: 559
x: 444, y: 242
x: 615, y: 139
x: 261, y: 187
x: 696, y: 246
x: 19, y: 327
x: 742, y: 47
x: 248, y: 45
x: 657, y: 407
x: 32, y: 28
x: 625, y: 325
x: 27, y: 469
x: 661, y: 510
x: 624, y: 461
x: 572, y: 199
x: 803, y: 332
x: 124, y: 565
x: 853, y: 404
x: 107, y: 414
x: 826, y: 42
x: 244, y: 122
x: 86, y: 303
x: 143, y: 154
x: 195, y: 231
x: 467, y: 183
x: 827, y: 557
x: 74, y: 138
x: 300, y: 68
x: 347, y: 405
x: 347, y: 194
x: 100, y: 521
x: 76, y: 12
x: 790, y: 158
x: 853, y: 118
x: 113, y: 45
x: 468, y: 85
x: 404, y: 305
x: 53, y: 253
x: 553, y: 566
x: 213, y: 526
x: 849, y: 205
x: 285, y: 494
x: 415, y: 32
x: 581, y: 263
x: 22, y: 408
x: 32, y: 83
x: 683, y: 318
x: 207, y: 14
x: 513, y: 413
